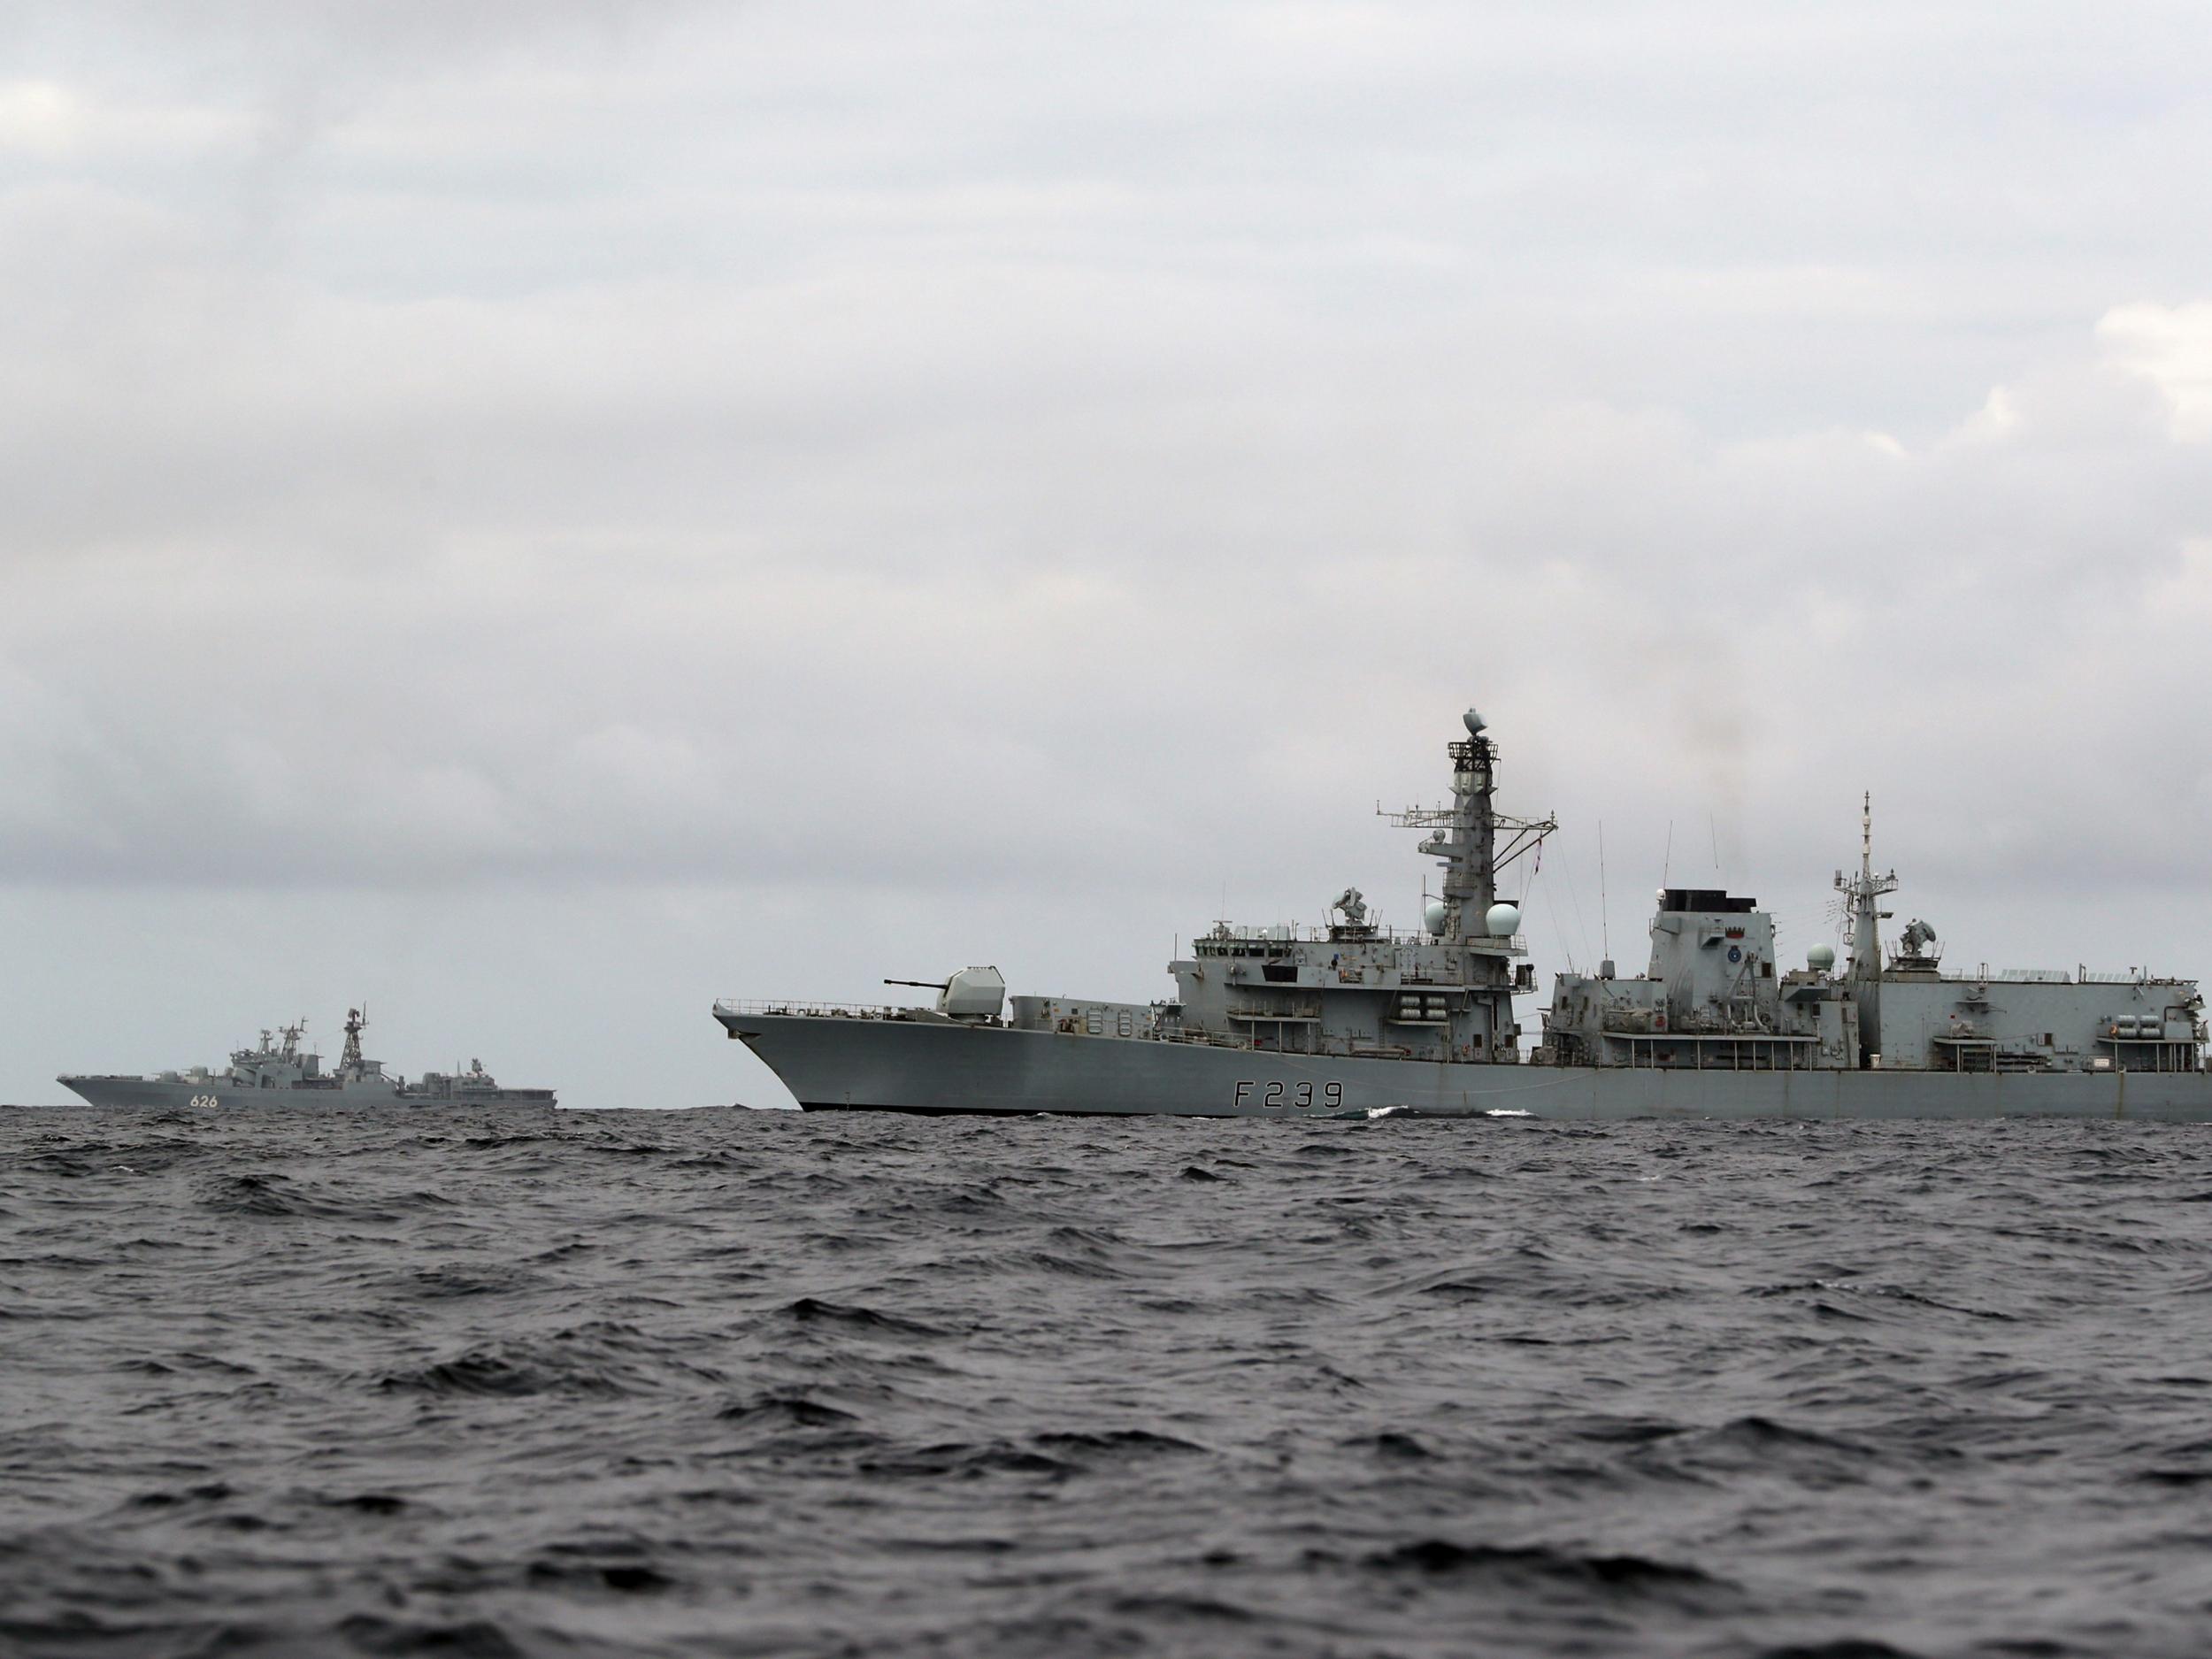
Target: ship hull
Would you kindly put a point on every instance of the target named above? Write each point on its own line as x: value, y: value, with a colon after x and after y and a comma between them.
x: 832, y: 1062
x: 156, y: 1094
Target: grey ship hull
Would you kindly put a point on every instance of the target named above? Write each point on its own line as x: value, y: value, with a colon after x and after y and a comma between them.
x: 834, y: 1063
x: 155, y: 1094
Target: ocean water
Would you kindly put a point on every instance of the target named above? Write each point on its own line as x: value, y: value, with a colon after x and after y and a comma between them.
x: 721, y: 1382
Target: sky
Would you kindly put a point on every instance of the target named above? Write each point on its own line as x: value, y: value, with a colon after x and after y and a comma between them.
x: 534, y: 517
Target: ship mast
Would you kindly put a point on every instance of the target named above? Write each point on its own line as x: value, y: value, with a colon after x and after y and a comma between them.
x: 1466, y: 837
x: 1468, y: 843
x: 1866, y: 933
x: 350, y: 1060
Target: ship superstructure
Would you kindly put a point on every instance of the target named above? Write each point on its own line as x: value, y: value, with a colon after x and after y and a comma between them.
x: 1354, y: 988
x: 1353, y: 1016
x: 279, y: 1071
x: 1713, y: 999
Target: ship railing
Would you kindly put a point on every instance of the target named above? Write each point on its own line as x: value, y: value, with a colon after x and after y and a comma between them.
x: 811, y: 1011
x: 2090, y: 975
x: 1293, y: 935
x: 1202, y: 1038
x: 1297, y: 1010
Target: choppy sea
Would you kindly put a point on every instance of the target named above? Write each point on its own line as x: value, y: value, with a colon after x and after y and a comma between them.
x: 723, y: 1382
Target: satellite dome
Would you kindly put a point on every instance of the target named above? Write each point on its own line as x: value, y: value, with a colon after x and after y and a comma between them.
x: 1821, y: 957
x: 1436, y: 914
x: 1503, y: 921
x: 1475, y: 723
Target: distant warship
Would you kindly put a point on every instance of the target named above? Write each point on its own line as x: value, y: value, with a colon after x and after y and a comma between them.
x: 1356, y: 1019
x: 279, y: 1073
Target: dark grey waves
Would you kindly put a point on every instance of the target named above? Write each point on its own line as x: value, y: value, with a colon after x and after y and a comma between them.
x: 731, y: 1383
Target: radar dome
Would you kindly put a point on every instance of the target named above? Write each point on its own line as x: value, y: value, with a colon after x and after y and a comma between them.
x: 1821, y: 957
x: 1475, y: 723
x: 1436, y: 915
x: 1503, y: 921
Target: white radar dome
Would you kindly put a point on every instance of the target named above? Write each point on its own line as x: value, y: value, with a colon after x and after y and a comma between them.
x: 1436, y: 915
x: 1475, y: 723
x: 1821, y: 957
x: 1503, y: 921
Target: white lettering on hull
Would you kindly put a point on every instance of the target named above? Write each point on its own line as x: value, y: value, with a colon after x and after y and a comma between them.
x: 1287, y: 1097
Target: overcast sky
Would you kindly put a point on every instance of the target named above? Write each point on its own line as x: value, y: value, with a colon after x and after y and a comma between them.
x: 540, y: 515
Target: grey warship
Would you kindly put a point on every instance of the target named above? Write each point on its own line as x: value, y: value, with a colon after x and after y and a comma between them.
x: 1356, y: 1019
x: 280, y: 1072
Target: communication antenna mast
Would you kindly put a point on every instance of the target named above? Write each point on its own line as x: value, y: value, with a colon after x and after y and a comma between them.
x: 1863, y: 893
x: 1605, y: 915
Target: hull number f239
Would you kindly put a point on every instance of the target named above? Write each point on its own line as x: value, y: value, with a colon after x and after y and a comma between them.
x: 1286, y: 1096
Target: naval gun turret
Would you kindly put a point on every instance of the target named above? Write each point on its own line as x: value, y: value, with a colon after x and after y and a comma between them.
x: 971, y: 995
